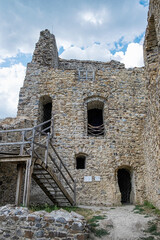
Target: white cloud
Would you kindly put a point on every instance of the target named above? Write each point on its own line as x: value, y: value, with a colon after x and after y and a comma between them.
x: 133, y: 57
x: 11, y: 79
x: 77, y: 23
x: 97, y: 52
x: 95, y: 17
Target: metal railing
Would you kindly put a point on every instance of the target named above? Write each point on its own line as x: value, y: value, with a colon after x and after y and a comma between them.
x: 95, y: 130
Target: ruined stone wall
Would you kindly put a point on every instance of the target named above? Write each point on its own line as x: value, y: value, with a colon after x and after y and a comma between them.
x: 152, y: 128
x: 130, y: 99
x: 74, y: 64
x: 20, y: 223
x: 8, y: 177
x: 45, y: 53
x: 122, y: 91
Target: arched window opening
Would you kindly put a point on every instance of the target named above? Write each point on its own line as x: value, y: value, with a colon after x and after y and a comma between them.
x: 152, y: 47
x: 46, y: 111
x: 81, y: 162
x: 95, y: 118
x: 124, y: 182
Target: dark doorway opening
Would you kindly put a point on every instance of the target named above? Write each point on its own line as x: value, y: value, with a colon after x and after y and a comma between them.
x: 80, y: 162
x: 47, y: 114
x: 124, y: 182
x: 95, y: 122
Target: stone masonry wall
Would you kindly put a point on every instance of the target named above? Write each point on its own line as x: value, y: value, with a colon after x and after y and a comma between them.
x: 20, y: 223
x: 152, y: 127
x: 45, y: 53
x: 123, y: 93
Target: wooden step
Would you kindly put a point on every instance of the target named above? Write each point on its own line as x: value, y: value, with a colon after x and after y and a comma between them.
x: 51, y: 185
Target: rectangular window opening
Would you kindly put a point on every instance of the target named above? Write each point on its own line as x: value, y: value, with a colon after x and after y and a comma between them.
x: 80, y: 162
x: 95, y: 122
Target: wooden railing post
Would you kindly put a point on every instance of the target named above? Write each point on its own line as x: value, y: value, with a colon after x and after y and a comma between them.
x: 52, y: 126
x: 22, y: 145
x: 74, y: 192
x: 60, y: 167
x: 19, y: 184
x: 27, y: 183
x: 47, y: 146
x: 28, y: 173
x: 32, y: 143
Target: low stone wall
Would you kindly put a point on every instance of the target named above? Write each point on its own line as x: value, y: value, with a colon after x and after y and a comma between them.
x: 19, y: 223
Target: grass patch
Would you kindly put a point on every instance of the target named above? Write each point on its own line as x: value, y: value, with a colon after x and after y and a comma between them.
x: 148, y: 238
x: 86, y: 213
x: 152, y: 229
x: 94, y: 224
x: 138, y: 209
x: 149, y: 205
x: 151, y: 208
x: 96, y: 219
x: 100, y: 232
x: 45, y: 207
x: 147, y: 208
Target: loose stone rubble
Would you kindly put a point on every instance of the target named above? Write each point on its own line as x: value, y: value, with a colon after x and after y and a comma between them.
x: 20, y: 223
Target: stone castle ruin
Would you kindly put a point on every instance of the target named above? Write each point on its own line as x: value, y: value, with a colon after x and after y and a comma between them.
x: 101, y: 146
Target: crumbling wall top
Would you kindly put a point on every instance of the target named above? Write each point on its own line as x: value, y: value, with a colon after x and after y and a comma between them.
x: 46, y: 53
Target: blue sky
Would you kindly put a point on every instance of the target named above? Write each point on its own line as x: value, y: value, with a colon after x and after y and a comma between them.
x: 88, y: 29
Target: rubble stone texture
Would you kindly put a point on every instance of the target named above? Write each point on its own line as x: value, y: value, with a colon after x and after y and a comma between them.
x: 130, y: 100
x: 152, y: 122
x: 20, y: 223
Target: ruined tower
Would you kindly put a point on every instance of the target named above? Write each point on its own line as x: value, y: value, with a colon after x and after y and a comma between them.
x: 106, y: 119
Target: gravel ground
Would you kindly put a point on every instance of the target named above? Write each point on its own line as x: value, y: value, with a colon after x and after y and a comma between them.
x: 124, y: 224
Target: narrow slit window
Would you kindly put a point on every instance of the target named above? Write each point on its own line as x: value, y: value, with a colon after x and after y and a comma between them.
x: 45, y: 112
x: 80, y: 162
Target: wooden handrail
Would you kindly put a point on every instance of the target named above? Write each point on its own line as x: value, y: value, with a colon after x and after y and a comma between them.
x: 96, y: 130
x: 61, y: 172
x: 61, y: 161
x: 95, y: 126
x: 34, y: 139
x: 13, y: 143
x: 43, y: 123
x: 16, y: 130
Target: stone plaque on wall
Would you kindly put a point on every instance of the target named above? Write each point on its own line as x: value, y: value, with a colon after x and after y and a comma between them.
x: 87, y: 178
x: 97, y: 178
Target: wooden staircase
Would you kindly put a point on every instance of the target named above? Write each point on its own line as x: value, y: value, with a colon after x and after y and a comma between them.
x: 43, y: 164
x: 51, y: 185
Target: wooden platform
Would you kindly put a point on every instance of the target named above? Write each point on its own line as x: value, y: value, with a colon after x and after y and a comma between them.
x: 13, y: 158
